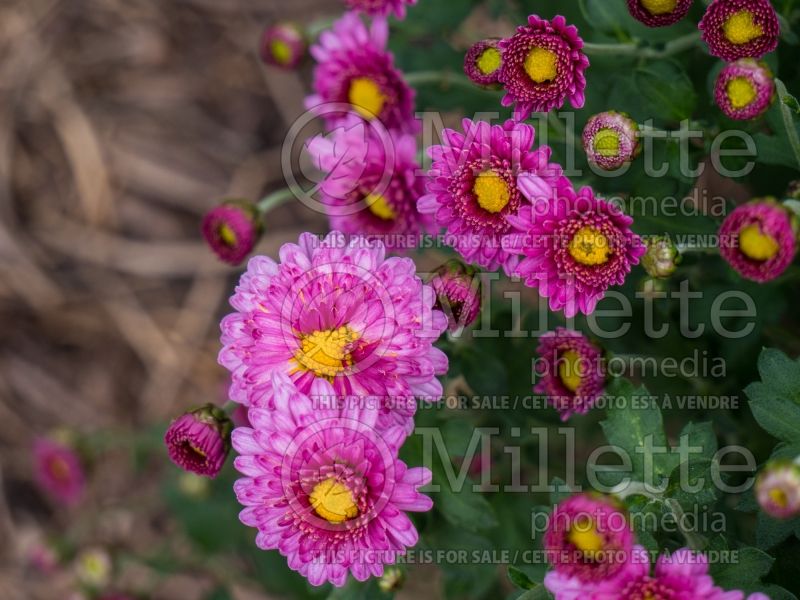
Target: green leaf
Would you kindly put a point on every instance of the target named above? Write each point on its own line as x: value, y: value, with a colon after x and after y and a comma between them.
x: 667, y: 89
x: 753, y: 564
x: 464, y: 508
x: 697, y: 487
x: 538, y: 593
x: 780, y: 372
x: 778, y: 416
x: 771, y: 532
x: 520, y: 579
x: 701, y: 435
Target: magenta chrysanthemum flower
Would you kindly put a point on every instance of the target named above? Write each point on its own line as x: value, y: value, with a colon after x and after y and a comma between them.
x: 458, y: 293
x: 778, y: 489
x: 574, y: 245
x: 744, y: 89
x: 324, y: 487
x: 371, y: 185
x: 58, y: 471
x: 735, y: 29
x: 543, y: 66
x: 659, y: 13
x: 232, y: 230
x: 610, y: 140
x: 338, y: 310
x: 588, y: 538
x: 357, y: 72
x: 758, y: 239
x: 682, y: 575
x: 570, y: 370
x: 199, y: 441
x: 380, y: 8
x: 283, y: 45
x: 483, y: 61
x: 473, y: 186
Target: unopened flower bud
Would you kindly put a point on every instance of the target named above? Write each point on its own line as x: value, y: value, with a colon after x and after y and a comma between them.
x: 232, y: 230
x: 93, y: 568
x: 778, y: 489
x: 458, y: 293
x: 392, y: 579
x: 610, y: 140
x: 662, y: 257
x: 283, y: 45
x: 199, y: 441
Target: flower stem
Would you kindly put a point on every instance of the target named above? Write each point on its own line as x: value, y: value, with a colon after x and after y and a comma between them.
x: 635, y: 49
x: 444, y: 79
x: 693, y: 539
x: 274, y: 200
x: 788, y: 119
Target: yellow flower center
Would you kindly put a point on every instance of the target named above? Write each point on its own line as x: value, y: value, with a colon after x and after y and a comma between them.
x: 379, y: 207
x: 659, y: 7
x: 491, y: 191
x: 366, y: 97
x: 569, y: 370
x: 333, y: 501
x: 779, y: 497
x: 327, y: 352
x: 741, y: 92
x: 59, y: 468
x: 583, y: 535
x: 740, y: 28
x: 757, y: 245
x: 589, y: 247
x: 227, y: 235
x: 281, y: 51
x: 606, y: 142
x: 489, y: 61
x: 541, y: 65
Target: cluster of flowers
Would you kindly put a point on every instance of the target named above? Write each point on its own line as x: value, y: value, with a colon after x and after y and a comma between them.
x: 592, y: 550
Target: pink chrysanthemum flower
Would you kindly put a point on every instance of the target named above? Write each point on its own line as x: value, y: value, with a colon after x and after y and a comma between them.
x: 574, y: 245
x: 58, y: 471
x: 324, y: 486
x: 659, y: 13
x: 682, y: 575
x: 199, y: 441
x: 232, y: 230
x: 283, y: 45
x: 458, y: 293
x: 588, y: 537
x: 610, y: 140
x: 339, y: 310
x: 371, y: 185
x: 570, y: 370
x: 735, y: 29
x: 357, y: 72
x: 473, y: 186
x: 778, y: 489
x: 543, y: 66
x: 744, y: 89
x: 483, y: 61
x: 380, y: 8
x: 758, y: 240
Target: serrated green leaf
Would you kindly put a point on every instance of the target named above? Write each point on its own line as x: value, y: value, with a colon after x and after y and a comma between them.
x: 780, y: 372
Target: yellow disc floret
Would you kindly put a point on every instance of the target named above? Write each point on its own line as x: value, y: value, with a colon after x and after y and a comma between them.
x: 491, y: 191
x: 227, y: 235
x: 779, y: 497
x: 489, y: 61
x: 281, y: 51
x: 380, y: 207
x: 541, y: 65
x: 659, y: 7
x: 569, y: 370
x: 366, y: 97
x: 326, y: 352
x: 741, y: 92
x: 756, y: 244
x: 333, y: 501
x: 740, y: 28
x: 590, y: 247
x: 583, y: 535
x: 606, y: 142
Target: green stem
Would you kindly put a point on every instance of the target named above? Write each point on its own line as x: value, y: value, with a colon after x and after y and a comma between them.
x: 693, y: 539
x: 788, y: 120
x: 674, y: 47
x: 274, y: 200
x: 684, y: 248
x: 444, y: 79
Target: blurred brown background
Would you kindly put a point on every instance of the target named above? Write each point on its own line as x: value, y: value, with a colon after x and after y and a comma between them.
x: 121, y: 123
